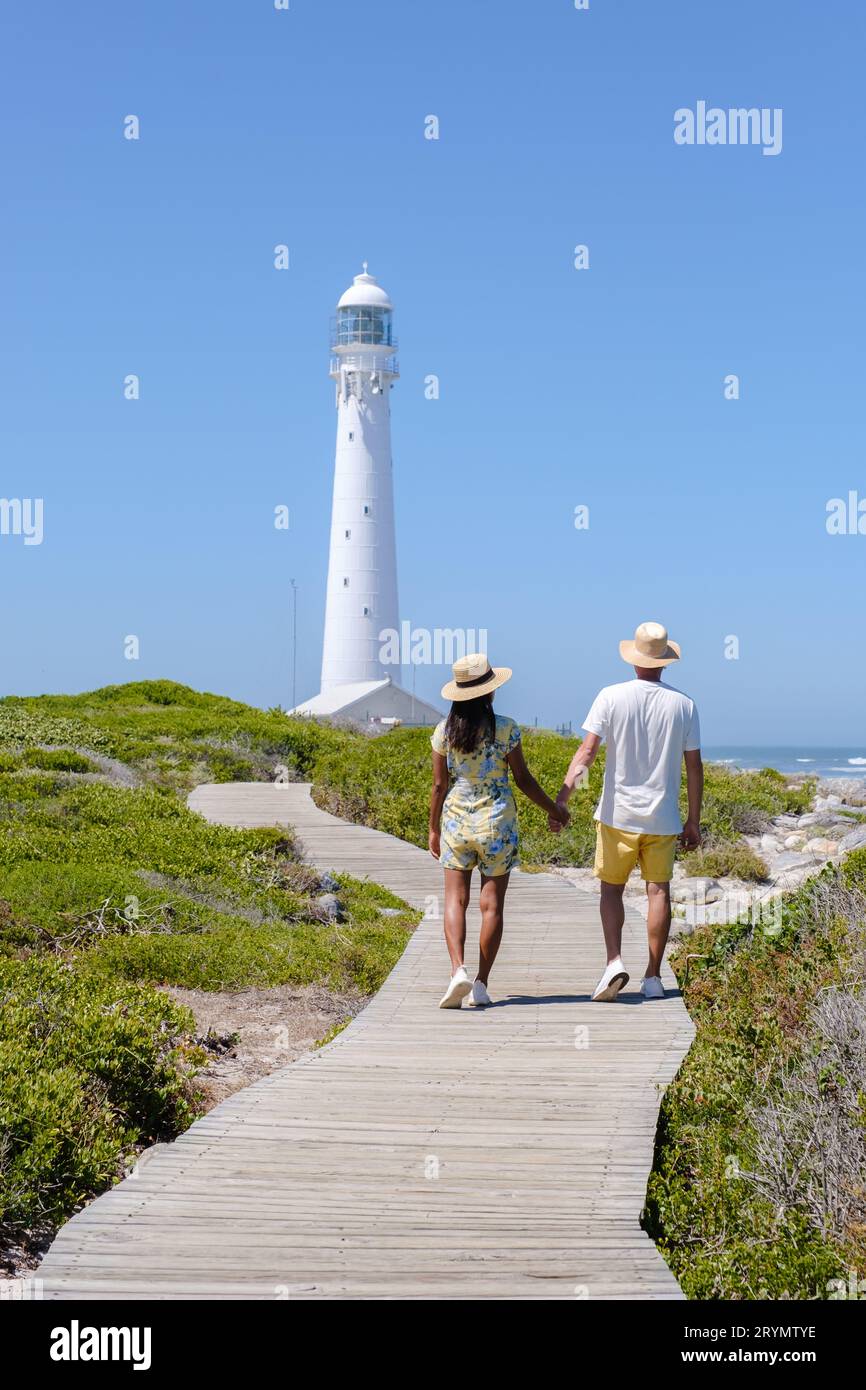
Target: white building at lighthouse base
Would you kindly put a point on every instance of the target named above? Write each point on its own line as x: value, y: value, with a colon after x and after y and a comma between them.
x: 378, y: 702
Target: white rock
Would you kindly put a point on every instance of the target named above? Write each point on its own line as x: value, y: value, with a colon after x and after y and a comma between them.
x: 821, y: 846
x: 692, y: 890
x: 794, y: 841
x: 770, y: 844
x: 329, y: 906
x: 855, y: 839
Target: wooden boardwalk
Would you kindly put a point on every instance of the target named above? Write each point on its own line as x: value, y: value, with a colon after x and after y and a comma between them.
x: 425, y: 1153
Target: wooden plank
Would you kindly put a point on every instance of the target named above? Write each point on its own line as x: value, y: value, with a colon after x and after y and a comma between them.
x: 424, y: 1153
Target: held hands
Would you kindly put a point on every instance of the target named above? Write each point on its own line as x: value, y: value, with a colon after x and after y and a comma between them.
x: 579, y: 775
x: 690, y: 837
x: 558, y: 821
x: 434, y: 844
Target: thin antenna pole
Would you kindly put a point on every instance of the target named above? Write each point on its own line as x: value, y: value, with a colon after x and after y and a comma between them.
x: 294, y: 645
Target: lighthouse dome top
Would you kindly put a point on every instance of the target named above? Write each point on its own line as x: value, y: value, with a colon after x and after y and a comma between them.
x: 365, y: 290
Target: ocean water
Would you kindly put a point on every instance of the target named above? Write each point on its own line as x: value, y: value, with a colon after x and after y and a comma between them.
x: 817, y: 762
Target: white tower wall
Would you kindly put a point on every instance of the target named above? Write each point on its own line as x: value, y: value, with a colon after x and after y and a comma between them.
x: 362, y: 567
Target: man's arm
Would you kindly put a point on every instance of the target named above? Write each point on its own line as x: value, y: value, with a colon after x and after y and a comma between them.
x: 579, y: 767
x: 691, y: 833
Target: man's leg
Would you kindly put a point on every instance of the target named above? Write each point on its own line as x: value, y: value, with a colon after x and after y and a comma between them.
x: 616, y: 854
x: 456, y: 902
x: 612, y: 918
x: 658, y: 924
x: 657, y: 854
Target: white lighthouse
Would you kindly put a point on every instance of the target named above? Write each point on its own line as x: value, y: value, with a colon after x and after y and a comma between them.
x: 361, y: 605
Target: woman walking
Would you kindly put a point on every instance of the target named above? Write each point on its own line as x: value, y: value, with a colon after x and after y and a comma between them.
x: 473, y: 818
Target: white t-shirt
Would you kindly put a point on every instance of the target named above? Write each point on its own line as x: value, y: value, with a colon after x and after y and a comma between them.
x: 647, y: 727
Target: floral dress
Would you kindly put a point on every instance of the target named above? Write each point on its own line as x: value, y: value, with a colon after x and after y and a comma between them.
x: 479, y: 817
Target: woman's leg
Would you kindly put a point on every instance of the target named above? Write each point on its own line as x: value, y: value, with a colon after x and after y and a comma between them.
x: 456, y: 902
x: 493, y: 892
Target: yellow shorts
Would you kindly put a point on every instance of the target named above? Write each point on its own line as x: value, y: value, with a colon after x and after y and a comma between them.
x: 618, y: 851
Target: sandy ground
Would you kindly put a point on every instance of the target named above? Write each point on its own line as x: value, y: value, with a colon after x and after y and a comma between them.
x: 254, y: 1031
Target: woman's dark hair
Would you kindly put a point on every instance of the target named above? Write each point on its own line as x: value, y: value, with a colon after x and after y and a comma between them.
x: 471, y: 724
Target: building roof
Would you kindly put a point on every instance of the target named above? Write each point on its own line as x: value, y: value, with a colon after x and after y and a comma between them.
x: 339, y: 697
x: 343, y: 699
x: 365, y: 290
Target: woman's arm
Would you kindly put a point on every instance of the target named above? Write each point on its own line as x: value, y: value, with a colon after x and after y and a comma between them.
x: 438, y: 793
x: 528, y: 785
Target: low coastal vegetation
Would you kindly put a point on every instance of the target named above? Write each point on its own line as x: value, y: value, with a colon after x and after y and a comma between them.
x: 111, y: 890
x: 759, y: 1185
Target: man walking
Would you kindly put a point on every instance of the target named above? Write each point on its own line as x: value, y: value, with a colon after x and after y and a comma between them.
x: 649, y: 727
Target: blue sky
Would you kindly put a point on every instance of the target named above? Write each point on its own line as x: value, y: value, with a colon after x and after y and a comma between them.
x: 558, y: 387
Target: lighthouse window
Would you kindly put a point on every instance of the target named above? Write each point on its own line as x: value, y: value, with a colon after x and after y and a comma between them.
x: 366, y: 510
x: 366, y: 611
x: 364, y: 323
x: 351, y: 435
x: 348, y: 535
x: 345, y: 583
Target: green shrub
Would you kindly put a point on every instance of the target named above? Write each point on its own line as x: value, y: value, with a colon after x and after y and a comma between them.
x: 738, y: 803
x: 57, y: 760
x: 170, y: 732
x: 354, y: 954
x: 725, y: 858
x: 28, y: 722
x: 89, y: 1071
x: 855, y: 869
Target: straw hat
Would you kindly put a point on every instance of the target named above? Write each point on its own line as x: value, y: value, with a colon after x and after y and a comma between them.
x: 474, y: 676
x: 650, y: 647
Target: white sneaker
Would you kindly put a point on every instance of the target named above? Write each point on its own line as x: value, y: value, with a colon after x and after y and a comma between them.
x: 651, y: 987
x: 479, y: 998
x: 611, y: 982
x: 457, y: 991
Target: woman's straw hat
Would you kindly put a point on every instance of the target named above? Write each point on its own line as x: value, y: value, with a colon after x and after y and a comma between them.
x: 650, y: 647
x: 474, y: 676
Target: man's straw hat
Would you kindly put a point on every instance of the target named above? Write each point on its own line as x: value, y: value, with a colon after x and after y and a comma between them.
x: 474, y: 676
x: 650, y: 647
